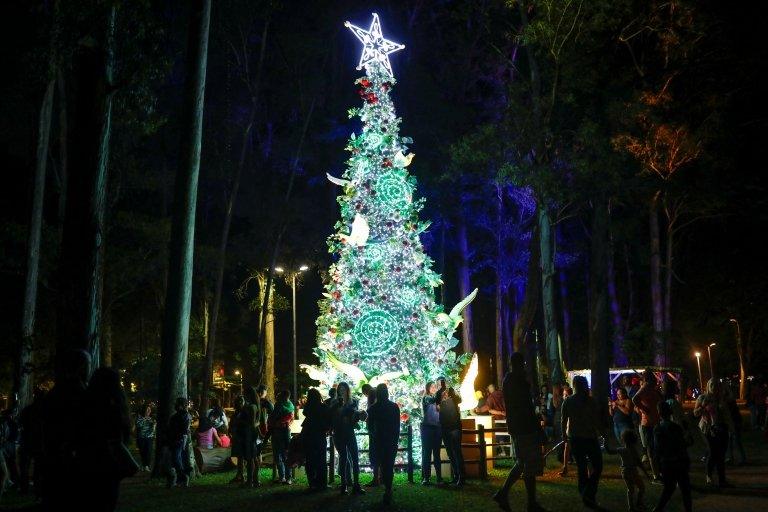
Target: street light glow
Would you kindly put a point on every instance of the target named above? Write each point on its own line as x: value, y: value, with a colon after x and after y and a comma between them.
x: 697, y: 354
x: 237, y: 372
x: 712, y: 344
x: 303, y: 268
x: 279, y: 270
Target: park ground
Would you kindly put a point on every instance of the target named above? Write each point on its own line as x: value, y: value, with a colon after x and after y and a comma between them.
x: 212, y: 492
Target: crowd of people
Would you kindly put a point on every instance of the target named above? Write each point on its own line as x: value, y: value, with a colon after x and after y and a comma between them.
x: 647, y: 428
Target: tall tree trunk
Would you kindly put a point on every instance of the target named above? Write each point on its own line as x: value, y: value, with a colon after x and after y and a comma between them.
x: 668, y: 275
x: 547, y: 264
x: 619, y: 357
x: 82, y: 253
x: 657, y: 303
x: 527, y: 312
x: 206, y: 333
x: 562, y: 279
x: 598, y: 334
x: 269, y: 349
x: 499, y: 286
x: 506, y: 319
x: 175, y: 339
x: 25, y: 364
x: 630, y: 321
x: 63, y: 160
x: 106, y: 339
x: 465, y: 286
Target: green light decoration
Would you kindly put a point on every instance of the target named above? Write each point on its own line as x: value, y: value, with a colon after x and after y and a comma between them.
x: 379, y: 321
x: 393, y: 191
x: 375, y: 332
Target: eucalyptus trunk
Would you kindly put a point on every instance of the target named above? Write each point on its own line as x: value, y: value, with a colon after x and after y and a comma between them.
x: 598, y: 334
x: 619, y: 357
x: 565, y: 304
x: 527, y: 311
x: 25, y: 362
x: 547, y: 265
x: 82, y: 253
x: 175, y: 338
x: 668, y: 277
x: 465, y: 286
x: 657, y: 303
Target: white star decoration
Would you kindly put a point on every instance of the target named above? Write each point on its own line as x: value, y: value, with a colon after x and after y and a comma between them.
x: 375, y: 47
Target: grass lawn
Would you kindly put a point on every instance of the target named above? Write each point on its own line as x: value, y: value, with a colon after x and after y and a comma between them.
x: 213, y: 493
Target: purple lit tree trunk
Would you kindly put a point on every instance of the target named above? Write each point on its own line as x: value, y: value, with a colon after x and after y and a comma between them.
x: 630, y: 291
x: 619, y: 357
x: 175, y: 337
x: 598, y: 333
x: 81, y: 265
x: 668, y: 275
x: 499, y: 286
x: 566, y: 307
x: 657, y: 302
x: 465, y: 286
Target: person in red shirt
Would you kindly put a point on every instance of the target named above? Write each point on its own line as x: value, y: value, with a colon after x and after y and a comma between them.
x: 494, y: 404
x: 646, y: 401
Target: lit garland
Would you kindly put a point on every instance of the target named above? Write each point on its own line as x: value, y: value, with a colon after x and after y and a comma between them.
x: 378, y: 318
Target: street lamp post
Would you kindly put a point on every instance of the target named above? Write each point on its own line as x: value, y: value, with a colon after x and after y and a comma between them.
x: 293, y: 310
x: 742, y: 366
x: 698, y: 364
x: 711, y: 364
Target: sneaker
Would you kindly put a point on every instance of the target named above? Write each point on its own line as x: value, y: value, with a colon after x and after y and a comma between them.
x: 287, y: 481
x: 344, y: 490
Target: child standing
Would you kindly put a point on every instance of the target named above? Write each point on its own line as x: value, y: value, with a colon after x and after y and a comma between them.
x: 631, y: 465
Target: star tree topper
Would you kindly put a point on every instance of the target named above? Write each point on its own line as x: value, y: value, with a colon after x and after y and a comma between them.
x: 375, y: 47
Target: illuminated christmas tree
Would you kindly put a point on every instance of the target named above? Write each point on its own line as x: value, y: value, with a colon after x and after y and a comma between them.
x: 378, y: 319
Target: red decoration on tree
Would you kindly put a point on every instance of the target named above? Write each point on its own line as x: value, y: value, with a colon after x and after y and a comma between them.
x: 337, y: 295
x: 386, y: 162
x: 385, y: 86
x: 404, y: 416
x: 365, y: 82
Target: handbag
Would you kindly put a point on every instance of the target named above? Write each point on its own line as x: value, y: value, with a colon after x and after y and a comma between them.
x: 122, y: 461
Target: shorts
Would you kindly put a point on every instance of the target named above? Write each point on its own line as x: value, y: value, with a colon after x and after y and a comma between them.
x: 528, y: 453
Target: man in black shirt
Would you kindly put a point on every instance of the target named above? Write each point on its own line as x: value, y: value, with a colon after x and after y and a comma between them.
x: 526, y: 433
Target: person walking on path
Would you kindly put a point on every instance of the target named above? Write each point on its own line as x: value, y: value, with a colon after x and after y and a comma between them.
x: 280, y: 420
x: 314, y: 430
x: 345, y: 417
x: 384, y: 424
x: 646, y: 401
x: 237, y: 430
x: 581, y: 423
x: 145, y: 435
x: 430, y: 436
x: 672, y: 454
x: 450, y: 427
x: 714, y: 424
x: 527, y: 435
